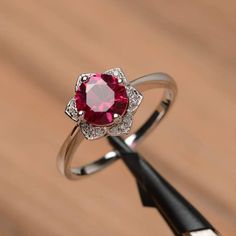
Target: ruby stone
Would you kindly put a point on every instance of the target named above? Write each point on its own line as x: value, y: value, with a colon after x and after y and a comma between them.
x: 100, y: 97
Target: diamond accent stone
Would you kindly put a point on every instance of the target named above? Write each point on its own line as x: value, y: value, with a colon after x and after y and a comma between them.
x: 71, y: 110
x: 123, y: 127
x: 118, y: 73
x: 92, y: 132
x: 135, y: 98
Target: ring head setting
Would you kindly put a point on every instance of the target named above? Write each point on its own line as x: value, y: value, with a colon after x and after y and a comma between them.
x: 104, y: 104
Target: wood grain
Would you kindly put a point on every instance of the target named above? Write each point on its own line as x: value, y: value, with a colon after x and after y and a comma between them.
x: 45, y: 44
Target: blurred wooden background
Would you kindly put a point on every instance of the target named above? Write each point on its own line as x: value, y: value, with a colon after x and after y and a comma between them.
x: 45, y: 44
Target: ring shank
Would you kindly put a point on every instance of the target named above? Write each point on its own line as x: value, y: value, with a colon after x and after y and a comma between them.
x: 142, y: 84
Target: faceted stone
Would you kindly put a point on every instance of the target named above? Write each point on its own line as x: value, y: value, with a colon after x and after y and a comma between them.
x: 100, y: 97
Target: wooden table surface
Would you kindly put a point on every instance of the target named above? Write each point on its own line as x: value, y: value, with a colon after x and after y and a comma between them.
x: 45, y: 44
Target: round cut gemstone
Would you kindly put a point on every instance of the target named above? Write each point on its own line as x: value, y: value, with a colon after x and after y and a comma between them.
x: 100, y: 97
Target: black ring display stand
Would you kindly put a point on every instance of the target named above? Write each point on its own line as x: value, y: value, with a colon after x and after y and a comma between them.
x: 156, y: 192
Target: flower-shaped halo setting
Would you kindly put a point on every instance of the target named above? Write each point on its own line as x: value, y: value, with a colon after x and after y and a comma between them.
x: 104, y: 104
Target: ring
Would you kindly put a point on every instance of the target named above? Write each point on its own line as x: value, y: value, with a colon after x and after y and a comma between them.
x: 104, y: 104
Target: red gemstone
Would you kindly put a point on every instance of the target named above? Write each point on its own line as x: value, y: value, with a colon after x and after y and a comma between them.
x: 100, y: 97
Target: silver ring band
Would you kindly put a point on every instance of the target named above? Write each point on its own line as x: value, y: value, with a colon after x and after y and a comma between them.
x: 142, y: 84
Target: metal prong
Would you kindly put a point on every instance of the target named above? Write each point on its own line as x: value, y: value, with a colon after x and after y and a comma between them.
x: 117, y: 118
x: 120, y: 81
x: 81, y: 114
x: 84, y: 78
